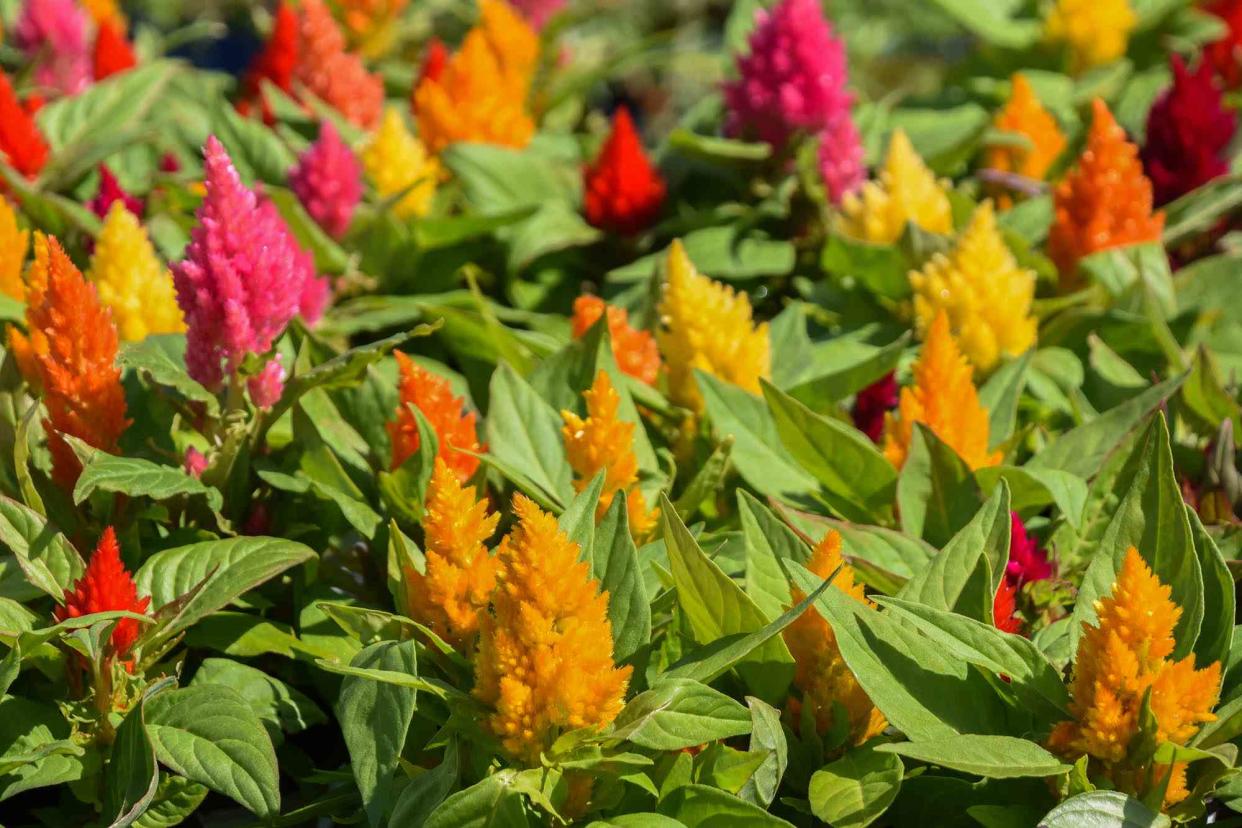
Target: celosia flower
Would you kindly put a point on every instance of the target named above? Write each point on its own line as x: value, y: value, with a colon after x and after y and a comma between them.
x: 397, y: 163
x: 873, y: 403
x: 454, y: 428
x: 841, y: 162
x: 944, y: 399
x: 241, y: 280
x: 636, y: 351
x: 14, y: 243
x: 539, y: 12
x: 434, y: 61
x: 275, y: 64
x: 602, y: 441
x: 195, y: 462
x: 105, y: 12
x: 623, y: 191
x: 1122, y: 659
x: 110, y: 191
x: 107, y: 586
x: 708, y: 326
x: 112, y: 54
x: 1027, y: 562
x: 1188, y: 134
x: 69, y: 352
x: 460, y: 573
x: 328, y: 181
x: 131, y: 280
x: 1095, y: 31
x: 267, y: 386
x: 984, y: 292
x: 1005, y: 608
x: 1024, y: 115
x: 821, y: 673
x: 544, y: 663
x: 512, y: 41
x: 52, y: 33
x: 332, y: 74
x: 906, y: 191
x: 1225, y: 54
x: 1104, y: 202
x: 316, y: 290
x: 21, y: 145
x: 371, y: 24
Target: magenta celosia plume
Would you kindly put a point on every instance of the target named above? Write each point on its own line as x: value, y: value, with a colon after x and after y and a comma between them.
x: 110, y: 190
x: 52, y: 33
x: 243, y: 276
x: 1188, y: 134
x: 793, y: 81
x: 267, y: 386
x: 539, y: 12
x: 316, y: 290
x: 328, y: 181
x: 873, y: 403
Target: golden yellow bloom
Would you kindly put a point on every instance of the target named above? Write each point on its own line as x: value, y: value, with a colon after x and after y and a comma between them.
x: 397, y: 162
x: 821, y: 673
x: 105, y: 11
x: 986, y: 295
x: 944, y: 399
x: 370, y: 25
x: 1024, y: 115
x: 131, y: 280
x: 14, y: 244
x: 603, y: 441
x: 906, y: 191
x: 709, y: 326
x: 1095, y: 31
x: 1120, y: 660
x: 545, y: 651
x: 514, y: 43
x: 460, y: 573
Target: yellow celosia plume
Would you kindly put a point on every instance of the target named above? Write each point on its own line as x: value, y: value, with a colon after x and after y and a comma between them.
x: 131, y: 280
x: 602, y: 441
x: 708, y: 326
x: 544, y: 663
x: 821, y: 673
x: 944, y: 399
x: 396, y: 162
x: 984, y: 292
x: 1120, y: 661
x: 1024, y: 115
x: 1094, y: 31
x: 514, y: 43
x: 14, y: 245
x: 460, y: 573
x: 906, y: 191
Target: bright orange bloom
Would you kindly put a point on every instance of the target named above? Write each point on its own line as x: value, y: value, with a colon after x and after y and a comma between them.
x: 1106, y: 201
x: 106, y: 586
x: 1120, y: 660
x: 432, y: 396
x: 545, y: 661
x: 70, y: 352
x: 113, y: 54
x: 820, y: 672
x: 460, y: 573
x: 1024, y: 115
x: 944, y: 399
x: 480, y: 94
x: 331, y: 73
x: 14, y: 243
x: 635, y: 350
x: 105, y: 12
x: 604, y: 442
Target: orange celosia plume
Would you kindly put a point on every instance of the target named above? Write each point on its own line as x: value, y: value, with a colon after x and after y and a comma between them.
x: 602, y: 441
x: 545, y: 663
x: 820, y: 672
x: 460, y: 573
x: 1106, y: 201
x: 432, y: 396
x: 635, y: 350
x: 1024, y: 115
x: 70, y: 353
x: 1122, y: 660
x: 331, y: 73
x: 945, y: 400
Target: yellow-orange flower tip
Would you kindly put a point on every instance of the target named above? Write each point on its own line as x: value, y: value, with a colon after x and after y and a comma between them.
x: 1024, y: 115
x: 906, y: 191
x: 14, y: 245
x: 1095, y: 32
x: 445, y: 413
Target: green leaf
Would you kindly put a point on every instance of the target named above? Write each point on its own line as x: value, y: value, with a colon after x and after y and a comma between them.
x: 210, y: 735
x: 1134, y: 270
x: 132, y: 777
x: 615, y: 565
x: 139, y: 478
x: 256, y: 151
x: 524, y: 433
x: 823, y: 390
x: 175, y: 799
x: 35, y: 747
x: 769, y: 542
x: 1000, y: 396
x: 374, y: 719
x: 162, y: 358
x: 700, y: 806
x: 881, y: 269
x: 680, y: 713
x: 578, y: 519
x: 1216, y: 635
x: 44, y: 555
x: 499, y: 180
x: 281, y: 707
x: 1032, y: 489
x: 493, y: 802
x: 766, y: 737
x: 995, y: 757
x: 716, y: 607
x: 715, y: 149
x: 1103, y: 809
x: 855, y: 790
x: 425, y: 792
x: 936, y: 492
x: 1199, y: 210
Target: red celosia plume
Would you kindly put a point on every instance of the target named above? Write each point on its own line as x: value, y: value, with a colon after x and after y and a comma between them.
x: 624, y: 192
x: 112, y: 54
x: 275, y: 64
x: 107, y: 586
x: 872, y: 403
x: 21, y: 144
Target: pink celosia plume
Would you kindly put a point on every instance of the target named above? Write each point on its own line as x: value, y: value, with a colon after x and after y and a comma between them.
x: 841, y: 162
x: 267, y: 386
x: 328, y: 181
x: 52, y: 33
x: 539, y: 12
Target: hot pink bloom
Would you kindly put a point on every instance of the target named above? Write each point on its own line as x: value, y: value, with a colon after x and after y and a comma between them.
x: 841, y: 158
x: 316, y: 291
x: 267, y: 386
x: 539, y: 12
x: 110, y: 190
x: 195, y: 462
x: 328, y: 181
x: 52, y: 33
x: 1027, y: 562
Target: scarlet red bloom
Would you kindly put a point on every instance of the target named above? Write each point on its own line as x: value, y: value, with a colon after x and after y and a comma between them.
x: 110, y: 190
x: 276, y: 63
x: 1027, y: 562
x: 112, y: 54
x: 107, y: 586
x: 636, y: 351
x: 1004, y: 608
x: 624, y: 192
x: 434, y: 61
x: 872, y: 403
x: 21, y: 145
x: 1188, y: 134
x: 1225, y: 55
x: 432, y: 396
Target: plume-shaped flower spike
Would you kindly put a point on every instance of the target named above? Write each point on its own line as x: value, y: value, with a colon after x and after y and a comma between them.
x: 906, y: 191
x: 455, y: 429
x: 52, y: 33
x: 110, y: 191
x: 14, y: 244
x: 1023, y: 115
x: 872, y: 404
x: 1094, y: 31
x: 397, y: 164
x: 21, y: 144
x: 623, y: 190
x: 331, y: 73
x: 131, y: 280
x: 275, y: 63
x: 545, y: 660
x: 107, y: 586
x: 635, y: 350
x: 113, y: 53
x: 328, y: 181
x: 1225, y: 54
